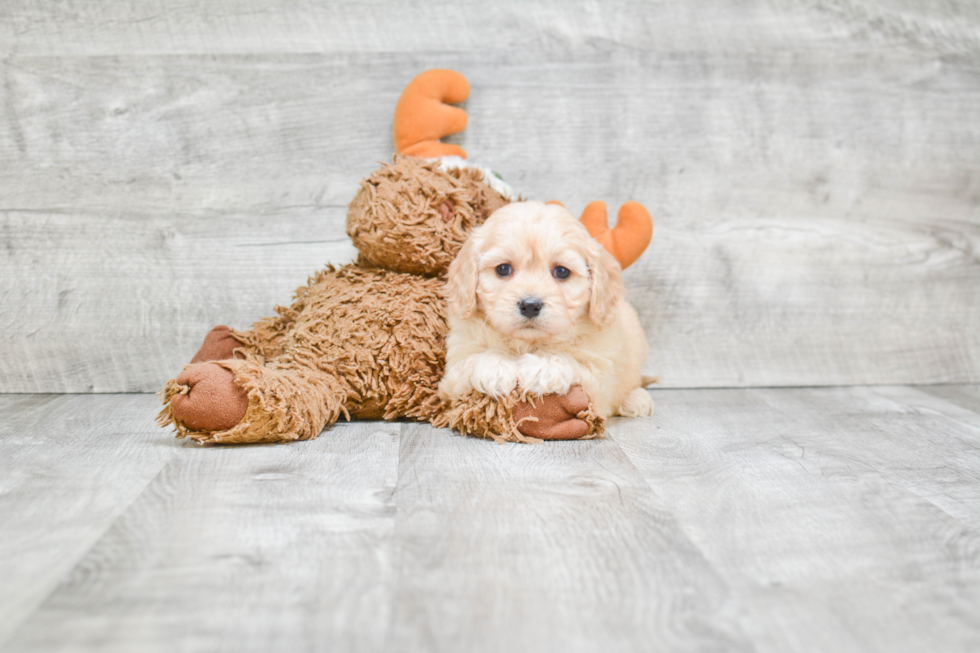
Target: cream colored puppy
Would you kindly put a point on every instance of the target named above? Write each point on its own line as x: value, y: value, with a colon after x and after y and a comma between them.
x: 536, y: 303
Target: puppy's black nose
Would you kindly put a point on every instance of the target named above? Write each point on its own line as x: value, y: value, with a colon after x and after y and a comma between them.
x: 530, y: 306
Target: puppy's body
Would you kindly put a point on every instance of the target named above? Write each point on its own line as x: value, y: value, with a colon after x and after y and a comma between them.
x: 536, y: 304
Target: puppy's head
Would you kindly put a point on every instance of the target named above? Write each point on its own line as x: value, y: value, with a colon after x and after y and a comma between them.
x: 533, y: 272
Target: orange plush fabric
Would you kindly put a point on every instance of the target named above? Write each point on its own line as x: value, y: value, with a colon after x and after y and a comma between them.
x: 629, y: 238
x: 422, y: 115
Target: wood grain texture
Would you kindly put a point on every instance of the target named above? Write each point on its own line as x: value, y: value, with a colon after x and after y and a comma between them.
x: 835, y: 519
x: 123, y: 27
x: 135, y: 302
x: 239, y: 549
x: 69, y: 466
x: 824, y: 509
x: 544, y: 548
x: 813, y: 170
x: 967, y: 396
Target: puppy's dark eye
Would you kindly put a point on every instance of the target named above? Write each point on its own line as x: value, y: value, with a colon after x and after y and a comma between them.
x: 504, y: 270
x: 560, y: 272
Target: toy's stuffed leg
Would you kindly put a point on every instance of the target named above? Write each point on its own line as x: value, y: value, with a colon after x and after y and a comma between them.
x: 238, y: 401
x: 217, y: 403
x: 512, y: 419
x: 204, y: 398
x: 219, y: 344
x: 558, y: 417
x: 230, y: 394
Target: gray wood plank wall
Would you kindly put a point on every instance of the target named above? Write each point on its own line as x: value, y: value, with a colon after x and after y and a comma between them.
x: 813, y: 169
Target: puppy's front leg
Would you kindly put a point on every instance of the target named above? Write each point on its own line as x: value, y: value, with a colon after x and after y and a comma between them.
x: 545, y: 374
x: 494, y: 375
x: 490, y: 373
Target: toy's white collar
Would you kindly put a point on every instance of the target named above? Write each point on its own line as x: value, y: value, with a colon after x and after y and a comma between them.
x: 491, y: 179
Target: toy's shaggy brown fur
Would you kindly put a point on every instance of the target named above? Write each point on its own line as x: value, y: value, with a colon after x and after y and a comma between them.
x: 413, y: 217
x: 366, y: 340
x: 480, y: 415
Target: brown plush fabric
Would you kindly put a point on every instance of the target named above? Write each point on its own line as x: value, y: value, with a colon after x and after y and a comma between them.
x: 366, y: 340
x: 218, y: 345
x: 209, y: 399
x: 398, y: 221
x: 555, y: 417
x: 513, y: 419
x: 353, y: 341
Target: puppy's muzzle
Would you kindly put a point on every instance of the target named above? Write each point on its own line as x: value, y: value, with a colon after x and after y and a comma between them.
x: 530, y: 307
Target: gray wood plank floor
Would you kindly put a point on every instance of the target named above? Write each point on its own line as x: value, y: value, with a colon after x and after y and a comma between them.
x: 833, y: 519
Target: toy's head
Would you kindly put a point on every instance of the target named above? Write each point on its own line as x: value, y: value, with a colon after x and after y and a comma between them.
x: 413, y: 216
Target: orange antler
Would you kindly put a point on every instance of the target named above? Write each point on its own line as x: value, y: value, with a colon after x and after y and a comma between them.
x: 422, y: 115
x: 631, y: 235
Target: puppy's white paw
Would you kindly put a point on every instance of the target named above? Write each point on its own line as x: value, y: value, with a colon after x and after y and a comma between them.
x: 638, y: 403
x: 494, y: 376
x: 544, y: 375
x: 455, y: 383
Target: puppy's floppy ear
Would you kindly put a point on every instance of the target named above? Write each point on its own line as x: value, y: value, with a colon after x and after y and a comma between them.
x: 606, y: 276
x: 463, y: 273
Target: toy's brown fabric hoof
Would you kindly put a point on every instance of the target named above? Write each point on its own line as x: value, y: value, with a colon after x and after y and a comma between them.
x: 218, y: 345
x: 213, y: 402
x: 556, y: 416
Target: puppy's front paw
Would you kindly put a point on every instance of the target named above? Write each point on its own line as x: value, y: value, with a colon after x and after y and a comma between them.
x: 545, y: 375
x: 456, y: 382
x: 494, y: 376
